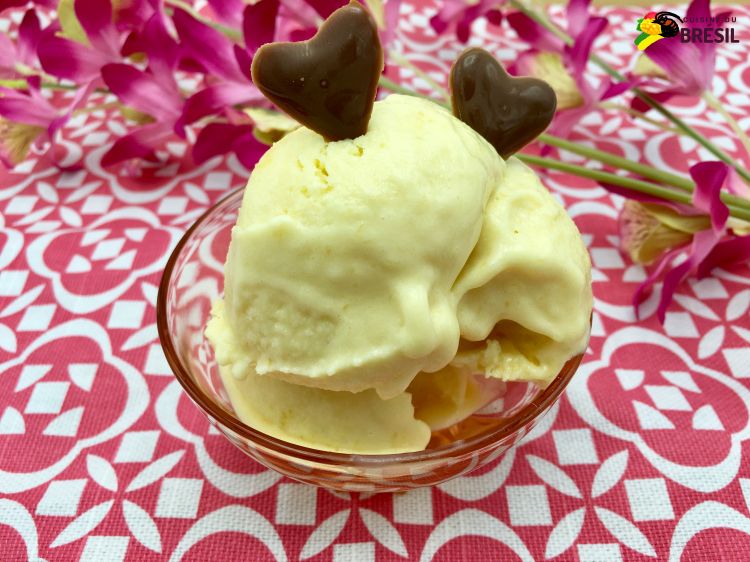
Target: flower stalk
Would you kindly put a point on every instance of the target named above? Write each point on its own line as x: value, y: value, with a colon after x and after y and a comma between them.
x: 738, y: 207
x: 619, y: 162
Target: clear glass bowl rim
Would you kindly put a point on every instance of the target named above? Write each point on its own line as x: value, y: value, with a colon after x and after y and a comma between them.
x: 476, y: 443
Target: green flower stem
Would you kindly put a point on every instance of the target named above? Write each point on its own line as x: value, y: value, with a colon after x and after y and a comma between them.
x: 233, y: 34
x: 619, y: 162
x: 22, y: 84
x: 699, y: 138
x: 18, y: 84
x: 715, y: 104
x: 738, y: 208
x: 640, y: 115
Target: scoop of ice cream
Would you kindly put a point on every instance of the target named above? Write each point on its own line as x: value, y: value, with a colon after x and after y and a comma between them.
x: 525, y: 293
x: 323, y: 419
x: 411, y: 254
x: 342, y: 263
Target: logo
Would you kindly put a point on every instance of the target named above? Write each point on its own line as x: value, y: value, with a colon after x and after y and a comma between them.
x: 655, y: 26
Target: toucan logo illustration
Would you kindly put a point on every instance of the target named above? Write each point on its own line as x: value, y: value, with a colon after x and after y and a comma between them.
x: 655, y: 26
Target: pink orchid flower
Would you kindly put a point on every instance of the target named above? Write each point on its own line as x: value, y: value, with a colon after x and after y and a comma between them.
x: 153, y: 91
x: 706, y: 250
x: 20, y: 55
x: 226, y: 64
x: 66, y: 58
x: 27, y: 118
x: 689, y: 66
x: 457, y: 16
x: 584, y: 29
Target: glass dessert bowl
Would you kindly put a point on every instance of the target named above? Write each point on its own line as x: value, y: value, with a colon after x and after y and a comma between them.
x: 193, y: 280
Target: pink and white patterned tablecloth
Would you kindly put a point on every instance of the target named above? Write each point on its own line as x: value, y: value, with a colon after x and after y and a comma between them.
x: 103, y: 459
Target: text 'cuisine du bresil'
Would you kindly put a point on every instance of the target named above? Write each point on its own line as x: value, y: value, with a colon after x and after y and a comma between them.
x: 709, y: 30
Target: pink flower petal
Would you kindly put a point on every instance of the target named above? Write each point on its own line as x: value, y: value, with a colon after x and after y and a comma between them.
x: 138, y: 144
x: 163, y: 54
x: 703, y: 242
x: 698, y: 10
x: 244, y: 62
x: 132, y: 14
x: 95, y: 17
x: 259, y: 24
x: 217, y: 138
x: 438, y: 24
x: 29, y: 34
x: 613, y: 89
x: 469, y: 15
x: 533, y: 33
x: 661, y: 97
x: 35, y: 83
x: 8, y: 55
x: 299, y: 13
x: 698, y: 13
x: 565, y: 120
x: 495, y: 17
x: 684, y: 64
x: 577, y: 16
x: 729, y: 252
x: 463, y: 26
x: 248, y: 150
x: 325, y: 8
x: 645, y: 287
x: 5, y: 4
x: 709, y: 177
x: 578, y: 54
x: 140, y: 90
x: 220, y: 138
x: 207, y: 46
x: 20, y: 107
x: 228, y: 11
x: 215, y: 98
x: 68, y: 59
x: 302, y: 34
x: 390, y: 15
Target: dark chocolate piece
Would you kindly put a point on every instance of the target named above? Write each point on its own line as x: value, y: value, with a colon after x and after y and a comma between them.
x: 328, y: 82
x: 508, y: 112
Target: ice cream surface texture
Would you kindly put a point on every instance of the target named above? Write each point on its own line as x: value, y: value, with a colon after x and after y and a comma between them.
x: 358, y: 264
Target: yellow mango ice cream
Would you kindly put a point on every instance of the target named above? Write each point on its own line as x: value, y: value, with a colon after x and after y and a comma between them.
x: 368, y: 280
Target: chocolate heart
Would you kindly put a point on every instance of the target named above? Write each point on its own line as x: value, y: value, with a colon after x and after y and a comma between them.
x: 508, y: 112
x: 328, y: 82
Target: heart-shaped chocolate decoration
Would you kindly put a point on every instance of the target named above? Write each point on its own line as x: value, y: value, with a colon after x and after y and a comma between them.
x: 328, y: 82
x: 508, y: 112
